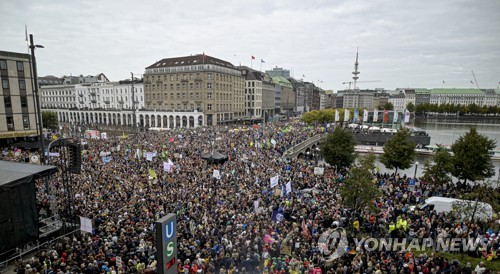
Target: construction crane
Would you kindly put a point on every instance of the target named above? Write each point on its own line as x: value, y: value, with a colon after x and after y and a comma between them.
x: 350, y: 82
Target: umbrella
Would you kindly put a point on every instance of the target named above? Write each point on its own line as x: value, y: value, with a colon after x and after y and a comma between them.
x: 214, y: 157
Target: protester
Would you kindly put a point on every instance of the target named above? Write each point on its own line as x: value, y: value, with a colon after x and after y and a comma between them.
x: 233, y: 222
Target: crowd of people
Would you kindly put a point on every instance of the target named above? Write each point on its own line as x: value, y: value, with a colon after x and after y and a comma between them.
x: 226, y: 220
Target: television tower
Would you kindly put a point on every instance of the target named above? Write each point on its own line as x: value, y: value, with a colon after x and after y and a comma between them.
x: 355, y: 72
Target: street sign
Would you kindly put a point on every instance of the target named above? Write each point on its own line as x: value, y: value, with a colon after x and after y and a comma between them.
x: 166, y: 243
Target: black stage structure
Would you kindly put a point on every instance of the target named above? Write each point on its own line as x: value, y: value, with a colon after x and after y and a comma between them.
x: 18, y: 211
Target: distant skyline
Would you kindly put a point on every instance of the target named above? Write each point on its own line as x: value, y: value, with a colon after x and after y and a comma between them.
x: 418, y: 44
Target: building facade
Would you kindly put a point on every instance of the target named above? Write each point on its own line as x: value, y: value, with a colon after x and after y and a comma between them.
x: 357, y: 99
x: 287, y: 96
x: 398, y: 100
x: 196, y: 83
x: 17, y: 108
x: 453, y: 96
x: 422, y: 96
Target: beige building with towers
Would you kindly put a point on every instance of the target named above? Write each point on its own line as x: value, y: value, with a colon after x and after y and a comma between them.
x: 197, y: 83
x: 17, y: 110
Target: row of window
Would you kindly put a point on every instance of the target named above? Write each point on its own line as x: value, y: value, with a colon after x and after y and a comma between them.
x: 8, y: 102
x: 19, y: 65
x: 11, y: 126
x: 194, y: 68
x: 6, y: 84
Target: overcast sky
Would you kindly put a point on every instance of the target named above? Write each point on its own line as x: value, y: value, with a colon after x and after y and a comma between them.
x: 401, y: 43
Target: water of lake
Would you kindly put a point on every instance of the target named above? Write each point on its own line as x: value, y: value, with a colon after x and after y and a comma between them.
x: 446, y: 131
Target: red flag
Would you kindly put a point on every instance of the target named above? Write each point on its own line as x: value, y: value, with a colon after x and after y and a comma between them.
x: 171, y: 140
x: 253, y: 57
x: 386, y: 116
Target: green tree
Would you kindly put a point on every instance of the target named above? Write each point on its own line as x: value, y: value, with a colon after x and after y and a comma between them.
x: 49, y: 119
x: 338, y: 148
x: 359, y: 191
x: 439, y: 171
x: 399, y: 151
x: 388, y: 106
x: 410, y: 107
x: 471, y: 157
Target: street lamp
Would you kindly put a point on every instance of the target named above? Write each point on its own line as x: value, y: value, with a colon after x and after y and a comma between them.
x: 416, y: 167
x: 37, y: 97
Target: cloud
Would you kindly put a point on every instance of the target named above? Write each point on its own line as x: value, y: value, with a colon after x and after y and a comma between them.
x: 401, y: 43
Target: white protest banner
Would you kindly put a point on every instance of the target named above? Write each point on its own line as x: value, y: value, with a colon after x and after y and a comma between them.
x: 319, y: 171
x: 85, y: 224
x: 149, y: 156
x: 288, y: 187
x: 216, y: 174
x: 274, y: 181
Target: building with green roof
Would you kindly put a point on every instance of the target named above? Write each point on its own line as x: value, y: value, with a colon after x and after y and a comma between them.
x: 284, y: 90
x: 461, y: 96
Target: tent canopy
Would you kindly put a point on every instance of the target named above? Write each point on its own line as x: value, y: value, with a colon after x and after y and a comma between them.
x: 214, y: 156
x: 13, y: 173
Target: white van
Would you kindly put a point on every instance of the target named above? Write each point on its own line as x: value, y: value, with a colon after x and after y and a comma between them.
x: 484, y: 211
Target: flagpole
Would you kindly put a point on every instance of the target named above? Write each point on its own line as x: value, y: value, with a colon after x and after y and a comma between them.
x: 260, y: 65
x: 251, y: 62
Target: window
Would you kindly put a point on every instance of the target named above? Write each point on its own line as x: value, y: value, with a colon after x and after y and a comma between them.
x: 3, y: 64
x: 209, y: 76
x: 209, y: 85
x: 22, y: 84
x: 7, y: 102
x: 209, y: 95
x: 209, y: 106
x: 20, y: 66
x: 24, y: 102
x: 5, y: 83
x: 26, y: 122
x: 10, y: 123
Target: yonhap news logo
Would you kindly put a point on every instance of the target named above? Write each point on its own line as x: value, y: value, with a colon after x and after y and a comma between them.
x: 334, y: 243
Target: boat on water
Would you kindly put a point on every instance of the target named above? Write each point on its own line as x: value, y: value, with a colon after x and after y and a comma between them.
x: 432, y: 149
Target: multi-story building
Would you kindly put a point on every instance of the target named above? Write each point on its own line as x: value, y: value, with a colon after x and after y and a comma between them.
x: 253, y: 92
x: 110, y: 95
x: 17, y: 109
x: 196, y: 83
x: 422, y: 96
x: 358, y: 99
x: 398, y: 100
x: 380, y: 98
x: 454, y: 96
x: 287, y: 95
x: 299, y: 89
x: 410, y: 97
x: 278, y: 72
x: 58, y: 96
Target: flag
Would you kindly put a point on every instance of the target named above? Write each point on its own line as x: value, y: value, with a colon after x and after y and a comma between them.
x: 365, y: 115
x: 123, y: 135
x: 471, y: 82
x: 355, y: 117
x: 262, y: 61
x: 375, y: 115
x: 386, y: 116
x: 346, y: 115
x: 395, y: 120
x: 253, y: 57
x: 216, y: 174
x: 337, y: 115
x: 443, y: 81
x: 106, y: 159
x: 303, y: 76
x: 274, y: 181
x: 407, y: 116
x: 152, y: 173
x: 278, y: 215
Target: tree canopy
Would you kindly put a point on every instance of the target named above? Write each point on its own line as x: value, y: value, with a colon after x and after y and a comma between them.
x: 439, y: 171
x: 338, y: 148
x: 359, y: 191
x: 471, y: 157
x: 399, y: 151
x: 49, y: 119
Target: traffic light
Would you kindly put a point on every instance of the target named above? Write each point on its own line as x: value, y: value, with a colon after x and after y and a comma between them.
x: 75, y: 158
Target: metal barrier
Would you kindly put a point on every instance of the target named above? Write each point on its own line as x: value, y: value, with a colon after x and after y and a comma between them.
x: 29, y: 248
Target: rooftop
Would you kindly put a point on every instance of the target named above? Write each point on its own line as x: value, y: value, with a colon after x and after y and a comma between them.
x: 456, y: 91
x: 282, y: 81
x: 198, y: 59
